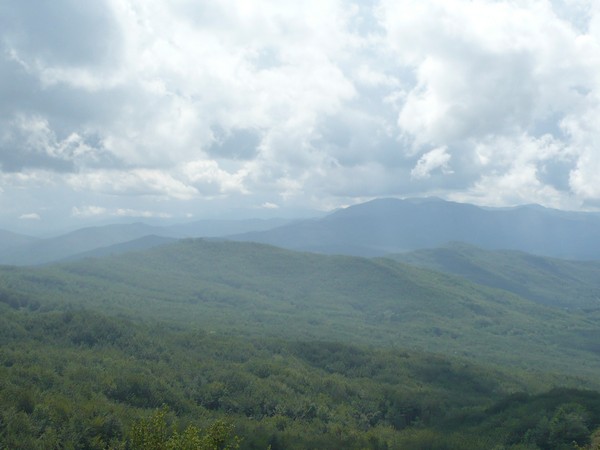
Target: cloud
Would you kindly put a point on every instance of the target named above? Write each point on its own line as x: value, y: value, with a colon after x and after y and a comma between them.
x: 208, y: 178
x: 137, y: 213
x: 483, y: 67
x: 99, y: 211
x: 521, y: 171
x: 138, y: 182
x: 30, y: 216
x: 88, y: 211
x: 437, y: 158
x: 67, y: 32
x: 194, y: 103
x: 29, y: 142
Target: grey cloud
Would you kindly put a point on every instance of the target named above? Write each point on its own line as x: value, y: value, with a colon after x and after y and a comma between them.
x: 241, y: 144
x: 287, y: 106
x: 19, y: 90
x: 14, y: 158
x: 481, y: 93
x: 577, y: 13
x: 352, y: 141
x: 29, y: 142
x: 556, y: 173
x: 267, y: 58
x: 64, y: 32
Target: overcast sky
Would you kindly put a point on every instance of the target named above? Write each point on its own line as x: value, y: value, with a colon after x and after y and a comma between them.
x: 190, y: 108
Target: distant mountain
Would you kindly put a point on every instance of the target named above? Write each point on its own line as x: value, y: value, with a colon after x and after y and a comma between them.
x: 9, y: 240
x: 556, y: 282
x: 83, y: 240
x: 219, y: 228
x: 392, y: 226
x: 143, y: 243
x: 116, y: 238
x: 245, y: 288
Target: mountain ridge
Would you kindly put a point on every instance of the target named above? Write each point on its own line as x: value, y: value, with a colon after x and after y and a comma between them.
x: 551, y: 281
x: 104, y: 239
x: 384, y: 226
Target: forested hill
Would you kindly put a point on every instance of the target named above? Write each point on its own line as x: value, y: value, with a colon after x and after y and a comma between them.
x: 558, y: 282
x: 81, y: 379
x: 198, y: 343
x: 248, y: 288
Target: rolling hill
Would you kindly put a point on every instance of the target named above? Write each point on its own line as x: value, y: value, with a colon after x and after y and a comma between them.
x: 291, y: 350
x: 551, y: 281
x: 245, y: 288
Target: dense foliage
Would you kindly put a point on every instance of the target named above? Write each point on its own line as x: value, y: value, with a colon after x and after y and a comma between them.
x: 173, y: 350
x: 84, y: 380
x: 557, y: 282
x: 260, y: 290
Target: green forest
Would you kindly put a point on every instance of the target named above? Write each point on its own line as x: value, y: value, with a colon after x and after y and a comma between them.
x: 212, y: 345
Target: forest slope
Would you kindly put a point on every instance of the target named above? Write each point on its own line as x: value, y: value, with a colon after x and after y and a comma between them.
x: 551, y: 281
x: 81, y: 379
x: 242, y: 288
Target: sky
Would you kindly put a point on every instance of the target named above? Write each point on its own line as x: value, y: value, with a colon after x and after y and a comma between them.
x: 189, y: 109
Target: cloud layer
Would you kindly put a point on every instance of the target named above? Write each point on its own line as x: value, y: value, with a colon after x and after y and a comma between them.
x: 171, y: 108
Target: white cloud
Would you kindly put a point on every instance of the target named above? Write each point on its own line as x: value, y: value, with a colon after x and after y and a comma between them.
x: 437, y: 158
x: 138, y: 182
x: 207, y: 177
x: 516, y: 171
x: 582, y: 129
x: 312, y: 104
x: 30, y: 216
x: 483, y: 67
x: 121, y: 212
x: 88, y: 211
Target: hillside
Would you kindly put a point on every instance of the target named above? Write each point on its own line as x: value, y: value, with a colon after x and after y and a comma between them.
x: 285, y: 350
x: 386, y: 226
x: 251, y: 288
x: 551, y: 281
x: 81, y: 379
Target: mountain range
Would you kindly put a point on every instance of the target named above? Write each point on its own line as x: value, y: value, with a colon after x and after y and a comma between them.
x: 23, y: 250
x: 376, y: 228
x: 386, y: 226
x: 428, y: 348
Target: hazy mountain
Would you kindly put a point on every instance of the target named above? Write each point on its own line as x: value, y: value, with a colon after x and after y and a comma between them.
x: 253, y: 288
x: 83, y: 240
x: 143, y: 243
x: 392, y: 226
x: 563, y: 283
x: 107, y: 239
x: 218, y: 228
x: 9, y: 240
